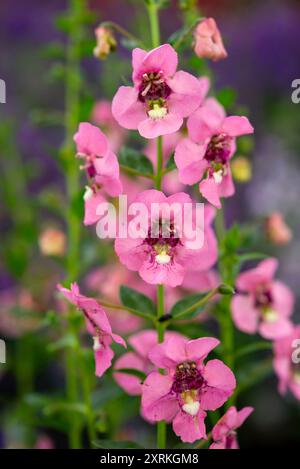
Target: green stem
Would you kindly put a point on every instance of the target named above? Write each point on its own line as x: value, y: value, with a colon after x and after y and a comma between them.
x: 186, y: 33
x: 199, y: 303
x: 127, y: 308
x: 160, y: 312
x: 86, y: 385
x: 225, y: 320
x: 161, y: 426
x: 72, y: 115
x: 154, y: 23
x: 155, y: 36
x: 72, y: 393
x: 159, y: 169
x: 123, y: 32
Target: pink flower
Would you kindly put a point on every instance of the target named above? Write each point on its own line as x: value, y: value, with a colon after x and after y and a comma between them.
x: 201, y: 281
x: 287, y: 371
x: 224, y: 432
x: 160, y: 97
x: 142, y: 343
x: 102, y: 116
x: 265, y: 305
x: 162, y: 254
x: 188, y: 388
x: 208, y: 40
x: 97, y: 325
x: 101, y: 165
x: 205, y: 155
x: 277, y: 230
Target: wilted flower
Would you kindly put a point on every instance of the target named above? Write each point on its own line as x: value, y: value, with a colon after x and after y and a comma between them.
x: 264, y: 304
x: 106, y: 42
x: 287, y: 370
x: 241, y: 169
x: 224, y: 432
x: 189, y: 387
x: 208, y: 40
x: 160, y: 97
x: 163, y: 254
x: 97, y: 325
x: 52, y: 242
x: 277, y: 230
x: 205, y: 155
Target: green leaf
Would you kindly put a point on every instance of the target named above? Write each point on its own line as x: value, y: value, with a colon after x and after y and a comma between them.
x: 187, y: 303
x: 68, y: 341
x: 136, y: 300
x: 135, y: 163
x: 65, y: 408
x: 132, y: 371
x: 110, y: 444
x: 251, y: 256
x: 170, y: 166
x: 249, y: 377
x: 253, y: 348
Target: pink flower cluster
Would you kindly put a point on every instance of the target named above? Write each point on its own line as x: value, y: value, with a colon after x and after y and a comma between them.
x: 181, y: 385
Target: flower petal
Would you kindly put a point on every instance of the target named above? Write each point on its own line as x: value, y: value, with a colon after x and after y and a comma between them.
x: 157, y: 402
x: 244, y: 314
x: 189, y: 428
x: 152, y: 128
x: 127, y: 109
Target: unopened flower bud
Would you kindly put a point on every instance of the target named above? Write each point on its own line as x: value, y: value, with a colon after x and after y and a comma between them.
x: 106, y: 42
x: 52, y: 242
x: 208, y: 41
x: 277, y: 230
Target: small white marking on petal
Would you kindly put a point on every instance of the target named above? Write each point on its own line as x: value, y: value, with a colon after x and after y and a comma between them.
x: 191, y: 408
x: 97, y: 345
x: 218, y: 176
x: 158, y: 112
x: 88, y: 193
x: 271, y: 315
x: 162, y: 258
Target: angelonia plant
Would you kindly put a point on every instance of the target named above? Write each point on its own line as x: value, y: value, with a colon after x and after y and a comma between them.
x: 170, y: 336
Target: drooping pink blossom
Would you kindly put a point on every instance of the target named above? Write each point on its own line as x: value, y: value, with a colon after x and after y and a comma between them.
x: 287, y: 362
x: 101, y: 166
x: 204, y: 156
x: 208, y: 40
x: 224, y: 432
x: 160, y: 97
x: 163, y: 254
x: 142, y: 343
x: 263, y: 304
x: 97, y: 325
x: 189, y: 387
